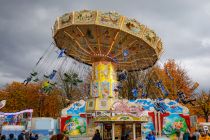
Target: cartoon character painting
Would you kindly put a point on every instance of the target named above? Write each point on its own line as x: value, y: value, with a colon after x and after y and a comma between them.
x: 75, y: 126
x: 172, y: 123
x: 95, y: 89
x: 105, y: 89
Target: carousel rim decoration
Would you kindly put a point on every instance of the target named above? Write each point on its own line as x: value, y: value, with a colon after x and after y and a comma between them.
x: 92, y: 36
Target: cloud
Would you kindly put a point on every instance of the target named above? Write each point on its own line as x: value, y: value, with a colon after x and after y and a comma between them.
x: 25, y: 30
x: 205, y: 42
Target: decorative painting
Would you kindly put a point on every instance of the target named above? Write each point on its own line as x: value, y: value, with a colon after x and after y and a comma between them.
x: 90, y: 104
x: 172, y: 123
x: 75, y: 126
x: 104, y: 72
x: 109, y: 18
x: 95, y: 89
x: 105, y: 89
x: 103, y: 104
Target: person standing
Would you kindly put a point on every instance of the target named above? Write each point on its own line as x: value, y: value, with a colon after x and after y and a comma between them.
x: 21, y: 135
x: 192, y: 137
x: 3, y: 137
x: 150, y: 136
x: 186, y: 135
x: 97, y: 135
x: 197, y: 134
x: 11, y: 137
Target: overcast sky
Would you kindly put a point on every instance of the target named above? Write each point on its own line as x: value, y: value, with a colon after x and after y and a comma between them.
x: 183, y: 25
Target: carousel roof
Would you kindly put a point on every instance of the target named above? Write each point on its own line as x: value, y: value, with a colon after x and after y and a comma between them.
x: 91, y: 36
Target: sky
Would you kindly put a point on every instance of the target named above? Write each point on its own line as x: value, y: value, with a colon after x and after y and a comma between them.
x: 183, y: 26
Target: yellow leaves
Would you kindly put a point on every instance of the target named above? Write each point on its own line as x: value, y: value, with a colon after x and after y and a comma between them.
x: 20, y: 97
x: 202, y: 105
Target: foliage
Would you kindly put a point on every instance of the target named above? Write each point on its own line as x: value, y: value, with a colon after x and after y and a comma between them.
x: 202, y: 105
x: 72, y: 86
x: 173, y: 77
x: 20, y: 97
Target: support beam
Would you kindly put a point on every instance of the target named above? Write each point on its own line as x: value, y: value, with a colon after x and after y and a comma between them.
x: 134, y: 131
x: 102, y: 131
x: 113, y: 131
x: 156, y: 123
x: 159, y: 124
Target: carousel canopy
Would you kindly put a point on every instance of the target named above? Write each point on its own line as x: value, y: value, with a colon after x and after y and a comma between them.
x: 91, y: 36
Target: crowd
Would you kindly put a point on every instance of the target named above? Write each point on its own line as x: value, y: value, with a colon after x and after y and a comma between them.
x: 30, y: 136
x: 59, y: 137
x: 187, y: 135
x: 22, y: 136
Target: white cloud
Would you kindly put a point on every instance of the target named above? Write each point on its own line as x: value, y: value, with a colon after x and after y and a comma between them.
x: 207, y: 9
x: 8, y: 77
x: 182, y: 25
x: 205, y: 42
x: 198, y: 69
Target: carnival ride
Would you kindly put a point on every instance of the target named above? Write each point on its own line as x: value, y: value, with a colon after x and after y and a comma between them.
x: 110, y: 47
x: 109, y: 43
x: 14, y: 122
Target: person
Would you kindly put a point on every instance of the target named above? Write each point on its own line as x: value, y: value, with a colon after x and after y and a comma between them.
x: 31, y: 137
x: 178, y: 134
x: 36, y: 136
x: 197, y: 134
x: 54, y: 137
x: 97, y: 135
x: 11, y: 137
x: 3, y: 137
x: 27, y: 135
x: 59, y: 136
x: 127, y: 137
x: 150, y: 136
x: 192, y: 137
x: 186, y: 135
x: 21, y: 135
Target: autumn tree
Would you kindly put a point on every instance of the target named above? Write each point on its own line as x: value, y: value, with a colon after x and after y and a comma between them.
x: 173, y: 77
x: 20, y: 97
x: 72, y: 86
x: 202, y: 105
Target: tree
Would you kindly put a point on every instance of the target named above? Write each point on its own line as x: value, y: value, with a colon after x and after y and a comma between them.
x: 20, y: 97
x: 173, y: 78
x: 202, y: 105
x: 71, y: 84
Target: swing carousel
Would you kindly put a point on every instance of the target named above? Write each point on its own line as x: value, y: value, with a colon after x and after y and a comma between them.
x: 113, y: 46
x: 108, y: 42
